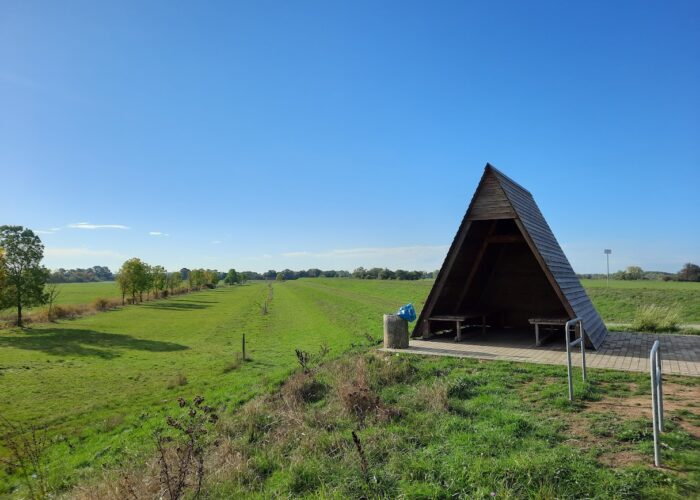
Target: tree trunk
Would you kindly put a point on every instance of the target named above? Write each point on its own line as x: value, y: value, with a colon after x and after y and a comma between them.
x: 395, y: 332
x: 19, y: 306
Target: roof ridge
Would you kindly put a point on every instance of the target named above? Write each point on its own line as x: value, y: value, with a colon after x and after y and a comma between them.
x: 500, y: 174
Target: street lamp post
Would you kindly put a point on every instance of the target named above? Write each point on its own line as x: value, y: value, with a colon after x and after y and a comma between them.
x: 607, y: 258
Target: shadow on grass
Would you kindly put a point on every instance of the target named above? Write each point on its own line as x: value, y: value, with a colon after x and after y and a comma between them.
x: 79, y: 342
x: 181, y: 306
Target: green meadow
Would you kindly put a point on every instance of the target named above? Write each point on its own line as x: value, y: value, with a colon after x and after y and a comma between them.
x: 103, y: 383
x: 85, y: 293
x: 619, y: 301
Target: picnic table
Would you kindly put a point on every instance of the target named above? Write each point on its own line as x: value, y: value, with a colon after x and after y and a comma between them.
x: 545, y: 322
x: 459, y: 319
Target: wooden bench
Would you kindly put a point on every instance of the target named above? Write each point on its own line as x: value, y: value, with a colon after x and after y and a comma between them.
x: 548, y: 322
x: 458, y: 320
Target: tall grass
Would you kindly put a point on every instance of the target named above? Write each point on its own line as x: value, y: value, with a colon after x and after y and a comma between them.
x: 655, y: 318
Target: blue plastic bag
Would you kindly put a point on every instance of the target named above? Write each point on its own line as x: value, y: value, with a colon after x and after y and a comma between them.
x: 407, y: 312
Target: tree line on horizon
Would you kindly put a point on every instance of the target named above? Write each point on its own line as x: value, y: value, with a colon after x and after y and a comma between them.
x: 25, y: 282
x: 689, y: 272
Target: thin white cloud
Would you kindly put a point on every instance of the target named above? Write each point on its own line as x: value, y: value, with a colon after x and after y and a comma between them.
x: 158, y: 233
x: 87, y: 225
x: 80, y: 252
x: 215, y: 242
x: 47, y: 231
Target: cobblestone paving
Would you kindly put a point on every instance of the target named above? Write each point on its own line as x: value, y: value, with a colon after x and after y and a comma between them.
x: 620, y: 351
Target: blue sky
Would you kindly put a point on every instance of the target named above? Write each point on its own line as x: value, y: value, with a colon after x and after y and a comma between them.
x: 265, y: 135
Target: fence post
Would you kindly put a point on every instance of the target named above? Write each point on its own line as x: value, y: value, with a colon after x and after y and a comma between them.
x: 244, y: 347
x: 569, y: 344
x: 657, y: 404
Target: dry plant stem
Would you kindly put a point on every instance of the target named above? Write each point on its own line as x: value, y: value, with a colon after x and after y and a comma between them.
x: 363, y: 459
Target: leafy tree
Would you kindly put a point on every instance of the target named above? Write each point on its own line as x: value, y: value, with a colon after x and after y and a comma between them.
x: 3, y: 276
x: 197, y: 279
x: 158, y: 278
x: 386, y: 274
x: 690, y: 272
x: 185, y: 274
x: 313, y: 273
x: 134, y: 278
x: 270, y: 275
x: 52, y: 293
x: 211, y: 277
x: 232, y: 277
x: 631, y: 273
x: 25, y: 276
x: 372, y: 274
x: 95, y: 273
x: 359, y: 273
x: 173, y: 281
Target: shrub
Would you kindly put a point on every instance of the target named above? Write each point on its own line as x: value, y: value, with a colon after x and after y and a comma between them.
x: 182, y: 446
x: 303, y: 388
x: 654, y: 318
x: 101, y: 304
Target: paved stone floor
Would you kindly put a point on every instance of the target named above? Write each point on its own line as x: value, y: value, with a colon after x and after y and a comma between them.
x: 621, y: 351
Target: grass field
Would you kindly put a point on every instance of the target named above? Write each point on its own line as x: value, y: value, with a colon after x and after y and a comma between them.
x: 101, y: 384
x: 85, y: 293
x: 618, y: 302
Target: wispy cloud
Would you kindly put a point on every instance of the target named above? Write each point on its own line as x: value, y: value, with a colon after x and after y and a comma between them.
x: 80, y: 252
x: 87, y: 225
x: 158, y: 233
x: 47, y: 231
x: 215, y: 242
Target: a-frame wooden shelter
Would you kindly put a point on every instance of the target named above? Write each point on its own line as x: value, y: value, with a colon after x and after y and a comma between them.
x: 505, y: 264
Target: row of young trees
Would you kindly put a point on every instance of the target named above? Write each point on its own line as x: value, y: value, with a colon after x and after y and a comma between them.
x: 136, y: 278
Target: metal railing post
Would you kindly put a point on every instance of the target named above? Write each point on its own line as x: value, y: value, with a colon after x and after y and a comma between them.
x: 657, y: 404
x: 569, y: 344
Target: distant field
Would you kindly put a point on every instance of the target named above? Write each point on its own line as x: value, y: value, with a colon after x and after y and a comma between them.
x: 642, y: 284
x: 85, y: 293
x: 616, y: 302
x: 620, y: 301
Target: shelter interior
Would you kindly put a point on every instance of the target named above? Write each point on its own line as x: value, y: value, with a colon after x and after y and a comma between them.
x: 496, y: 274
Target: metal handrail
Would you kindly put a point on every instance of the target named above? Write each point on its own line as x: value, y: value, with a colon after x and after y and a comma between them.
x: 569, y: 345
x: 657, y: 399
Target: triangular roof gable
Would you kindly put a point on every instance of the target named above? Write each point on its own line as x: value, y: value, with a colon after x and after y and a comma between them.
x: 499, y: 197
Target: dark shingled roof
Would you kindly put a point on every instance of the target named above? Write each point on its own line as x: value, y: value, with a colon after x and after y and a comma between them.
x: 540, y: 238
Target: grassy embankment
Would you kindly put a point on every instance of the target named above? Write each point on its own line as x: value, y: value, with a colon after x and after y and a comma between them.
x: 621, y: 301
x: 101, y: 383
x: 443, y: 428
